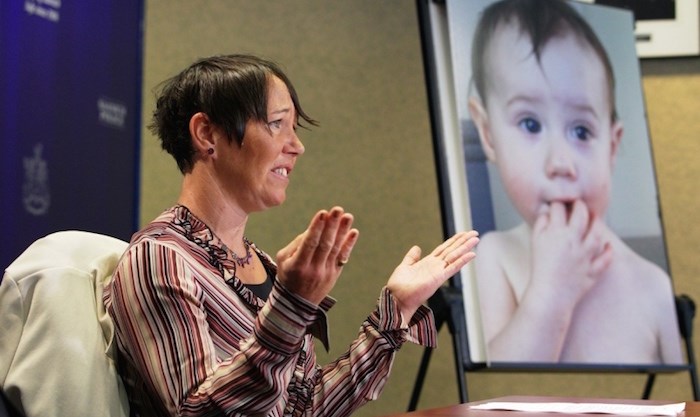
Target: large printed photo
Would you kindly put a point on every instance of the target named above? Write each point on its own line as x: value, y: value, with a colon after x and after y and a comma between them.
x: 572, y: 266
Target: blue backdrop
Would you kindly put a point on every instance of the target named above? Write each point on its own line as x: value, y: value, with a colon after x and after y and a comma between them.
x: 70, y: 93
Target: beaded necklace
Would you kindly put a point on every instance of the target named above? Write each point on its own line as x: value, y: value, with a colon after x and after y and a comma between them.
x: 242, y: 261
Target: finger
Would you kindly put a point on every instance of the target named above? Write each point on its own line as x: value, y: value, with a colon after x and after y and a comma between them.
x: 412, y: 256
x: 557, y: 214
x: 542, y: 220
x: 456, y: 240
x: 594, y: 227
x: 328, y: 237
x: 347, y: 246
x: 311, y: 237
x: 456, y: 246
x: 459, y: 263
x: 341, y: 236
x: 602, y: 260
x: 457, y: 255
x: 450, y: 246
x: 595, y: 240
x: 541, y: 224
x: 580, y: 220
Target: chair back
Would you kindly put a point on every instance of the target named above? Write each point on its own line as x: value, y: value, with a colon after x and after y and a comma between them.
x: 57, y: 350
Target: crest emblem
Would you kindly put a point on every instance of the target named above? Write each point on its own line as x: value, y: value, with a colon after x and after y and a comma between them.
x: 35, y: 189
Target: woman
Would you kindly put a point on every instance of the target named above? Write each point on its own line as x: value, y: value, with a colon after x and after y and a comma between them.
x: 207, y: 323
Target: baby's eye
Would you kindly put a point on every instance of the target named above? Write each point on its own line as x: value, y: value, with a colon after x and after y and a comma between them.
x: 531, y: 125
x: 582, y: 133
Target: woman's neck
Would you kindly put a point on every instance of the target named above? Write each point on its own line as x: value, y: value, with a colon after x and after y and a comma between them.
x: 225, y: 218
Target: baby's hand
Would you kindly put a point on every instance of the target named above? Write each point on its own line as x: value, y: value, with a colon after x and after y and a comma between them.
x: 569, y: 251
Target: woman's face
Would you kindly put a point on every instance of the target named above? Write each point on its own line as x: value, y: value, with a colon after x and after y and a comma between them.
x: 256, y: 173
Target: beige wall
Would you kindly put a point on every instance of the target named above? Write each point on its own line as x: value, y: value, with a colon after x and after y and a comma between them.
x: 357, y: 66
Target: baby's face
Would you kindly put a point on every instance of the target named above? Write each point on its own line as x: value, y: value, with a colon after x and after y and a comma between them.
x: 548, y: 124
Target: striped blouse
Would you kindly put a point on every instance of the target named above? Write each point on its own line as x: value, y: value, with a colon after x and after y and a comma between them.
x: 194, y: 341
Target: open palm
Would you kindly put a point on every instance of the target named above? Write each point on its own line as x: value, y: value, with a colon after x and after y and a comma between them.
x: 415, y: 279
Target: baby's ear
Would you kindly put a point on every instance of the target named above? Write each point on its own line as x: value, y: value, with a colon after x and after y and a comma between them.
x: 616, y: 132
x: 481, y: 120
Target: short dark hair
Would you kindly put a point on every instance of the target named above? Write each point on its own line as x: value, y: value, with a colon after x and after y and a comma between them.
x: 541, y: 20
x: 230, y: 89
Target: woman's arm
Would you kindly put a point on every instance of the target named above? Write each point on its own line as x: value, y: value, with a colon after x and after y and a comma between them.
x: 161, y: 319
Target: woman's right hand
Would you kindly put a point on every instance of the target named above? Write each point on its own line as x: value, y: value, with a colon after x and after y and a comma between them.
x: 310, y: 265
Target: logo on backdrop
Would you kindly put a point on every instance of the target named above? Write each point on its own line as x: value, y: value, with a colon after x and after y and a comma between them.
x: 111, y: 112
x: 35, y: 189
x: 45, y: 9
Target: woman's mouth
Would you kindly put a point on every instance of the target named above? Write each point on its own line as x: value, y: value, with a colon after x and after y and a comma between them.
x: 281, y: 171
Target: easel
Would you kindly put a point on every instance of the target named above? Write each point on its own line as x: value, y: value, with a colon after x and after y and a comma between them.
x: 448, y: 303
x: 448, y: 308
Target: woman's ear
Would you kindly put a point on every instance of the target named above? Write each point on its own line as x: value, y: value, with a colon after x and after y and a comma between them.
x: 481, y: 121
x: 202, y: 133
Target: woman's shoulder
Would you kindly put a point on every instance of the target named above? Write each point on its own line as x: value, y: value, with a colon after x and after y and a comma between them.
x: 156, y: 227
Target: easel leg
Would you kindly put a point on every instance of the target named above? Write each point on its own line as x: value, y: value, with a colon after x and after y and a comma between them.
x: 692, y: 368
x: 685, y: 308
x: 648, y: 386
x: 459, y: 343
x: 694, y: 383
x: 420, y: 378
x: 461, y: 378
x: 445, y: 304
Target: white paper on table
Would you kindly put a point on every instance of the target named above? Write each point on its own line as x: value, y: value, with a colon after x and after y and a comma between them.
x: 585, y: 408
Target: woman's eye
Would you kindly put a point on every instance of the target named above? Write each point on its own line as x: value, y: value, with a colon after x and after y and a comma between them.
x: 275, y: 124
x: 531, y: 125
x: 582, y: 133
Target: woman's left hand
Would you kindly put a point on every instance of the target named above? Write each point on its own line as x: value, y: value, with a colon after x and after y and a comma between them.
x: 416, y: 279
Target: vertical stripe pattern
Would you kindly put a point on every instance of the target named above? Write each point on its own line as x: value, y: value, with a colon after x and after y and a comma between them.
x: 194, y: 341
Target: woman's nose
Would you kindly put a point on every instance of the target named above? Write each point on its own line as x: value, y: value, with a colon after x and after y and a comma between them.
x: 295, y: 144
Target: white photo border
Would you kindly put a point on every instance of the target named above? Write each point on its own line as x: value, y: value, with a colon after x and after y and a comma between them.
x: 666, y: 38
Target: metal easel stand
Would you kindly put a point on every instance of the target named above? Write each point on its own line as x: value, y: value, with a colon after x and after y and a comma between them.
x: 685, y: 308
x: 448, y: 308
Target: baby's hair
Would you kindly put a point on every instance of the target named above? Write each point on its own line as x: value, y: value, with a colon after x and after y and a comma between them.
x: 541, y: 20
